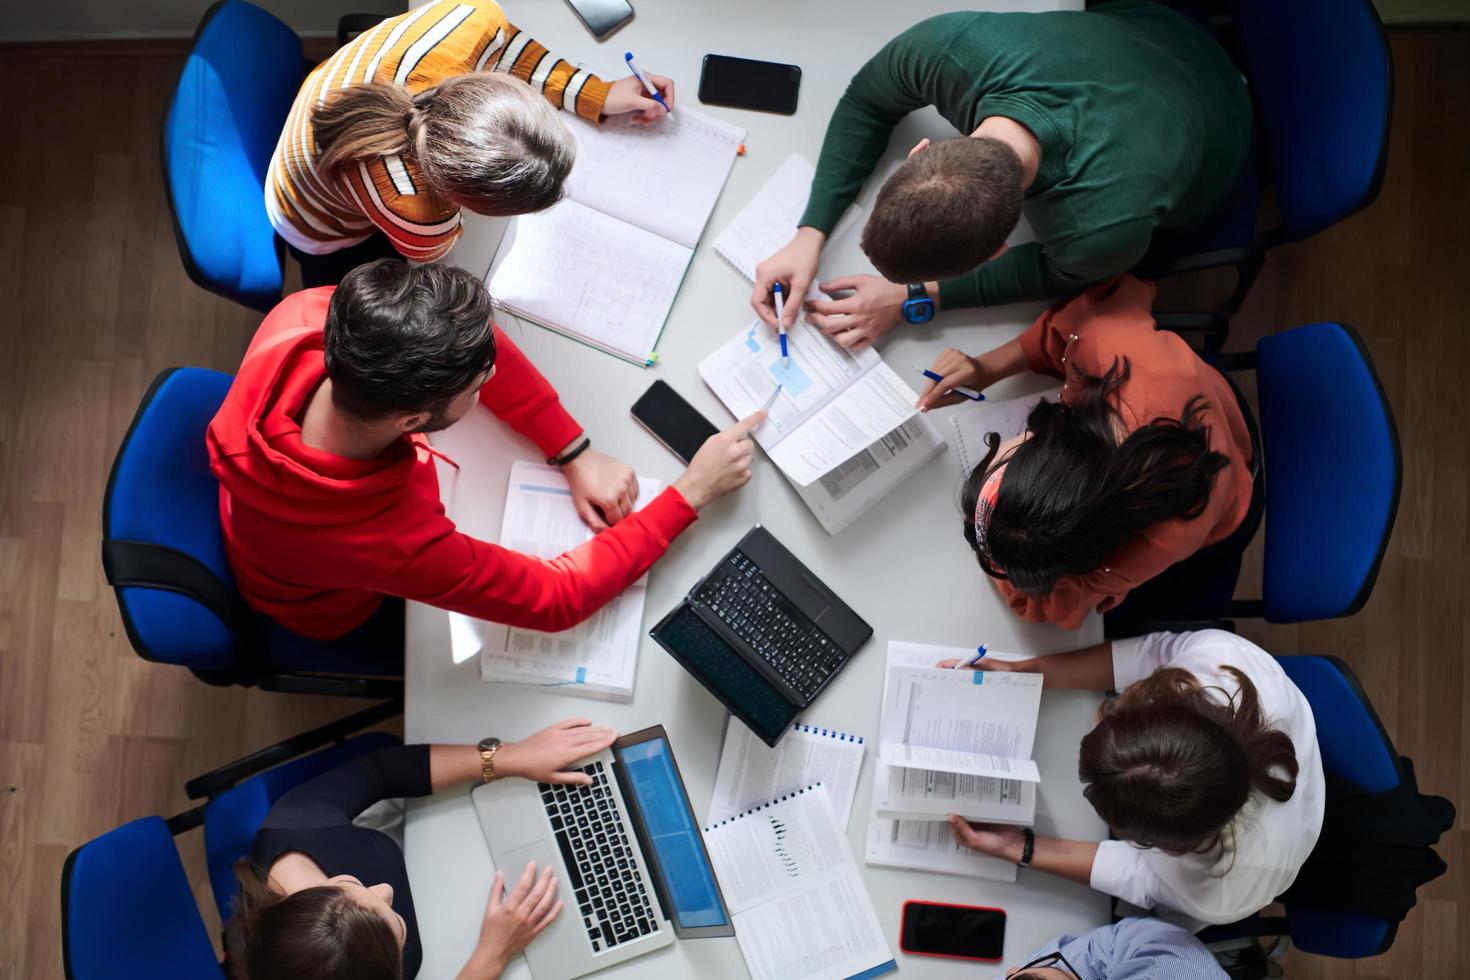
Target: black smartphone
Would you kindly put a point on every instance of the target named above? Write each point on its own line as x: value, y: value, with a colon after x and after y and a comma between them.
x: 746, y: 84
x: 672, y: 421
x: 964, y: 932
x: 602, y: 17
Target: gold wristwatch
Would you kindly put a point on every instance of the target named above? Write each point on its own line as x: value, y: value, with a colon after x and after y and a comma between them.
x: 488, y: 748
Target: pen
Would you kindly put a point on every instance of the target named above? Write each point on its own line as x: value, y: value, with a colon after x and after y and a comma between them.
x: 772, y: 400
x: 781, y: 325
x: 979, y: 655
x: 969, y: 393
x: 653, y: 93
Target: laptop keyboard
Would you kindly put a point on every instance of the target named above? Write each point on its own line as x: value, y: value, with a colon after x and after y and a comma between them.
x: 602, y: 864
x: 745, y: 601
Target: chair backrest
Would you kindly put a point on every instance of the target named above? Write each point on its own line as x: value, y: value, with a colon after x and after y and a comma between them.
x: 232, y: 818
x: 127, y: 911
x: 1333, y: 471
x: 226, y: 114
x: 162, y: 546
x: 1355, y: 747
x: 1321, y: 78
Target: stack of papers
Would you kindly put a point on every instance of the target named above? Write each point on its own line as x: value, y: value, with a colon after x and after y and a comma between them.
x: 598, y: 658
x: 798, y: 902
x: 605, y: 264
x: 751, y: 772
x: 950, y: 741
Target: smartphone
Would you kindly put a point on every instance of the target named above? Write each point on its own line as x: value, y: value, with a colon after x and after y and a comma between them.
x: 746, y: 84
x: 965, y: 932
x: 672, y: 421
x: 602, y: 17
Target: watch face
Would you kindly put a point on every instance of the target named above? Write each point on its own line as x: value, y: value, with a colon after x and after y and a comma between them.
x: 918, y: 310
x: 486, y: 744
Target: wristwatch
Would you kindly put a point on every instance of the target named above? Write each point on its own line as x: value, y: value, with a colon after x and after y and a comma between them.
x: 488, y: 748
x: 1027, y: 849
x: 918, y: 308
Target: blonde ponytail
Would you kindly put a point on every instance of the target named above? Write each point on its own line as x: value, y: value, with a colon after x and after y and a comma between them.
x: 484, y: 140
x: 364, y: 122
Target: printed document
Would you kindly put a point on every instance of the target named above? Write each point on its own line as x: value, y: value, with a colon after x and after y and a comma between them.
x: 798, y: 901
x: 597, y: 658
x: 751, y: 772
x: 961, y: 721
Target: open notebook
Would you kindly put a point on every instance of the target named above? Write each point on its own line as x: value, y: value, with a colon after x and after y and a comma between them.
x: 798, y: 901
x: 598, y: 658
x: 604, y: 265
x: 751, y: 772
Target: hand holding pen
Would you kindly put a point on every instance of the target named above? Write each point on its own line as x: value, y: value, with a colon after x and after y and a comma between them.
x: 630, y: 97
x: 954, y: 378
x: 781, y: 323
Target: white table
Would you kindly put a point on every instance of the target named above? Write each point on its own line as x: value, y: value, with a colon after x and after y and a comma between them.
x: 903, y: 565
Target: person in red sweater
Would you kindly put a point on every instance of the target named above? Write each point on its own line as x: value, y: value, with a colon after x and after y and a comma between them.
x: 1141, y: 473
x: 328, y: 495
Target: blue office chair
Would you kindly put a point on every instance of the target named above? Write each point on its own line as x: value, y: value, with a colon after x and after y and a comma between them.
x: 1321, y: 78
x: 127, y: 910
x: 163, y: 553
x: 229, y: 105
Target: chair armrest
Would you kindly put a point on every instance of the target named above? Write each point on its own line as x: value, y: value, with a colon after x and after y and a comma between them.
x: 1214, y: 328
x: 1201, y: 261
x: 211, y: 784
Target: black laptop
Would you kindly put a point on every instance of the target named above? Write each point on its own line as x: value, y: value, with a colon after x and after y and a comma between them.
x: 763, y: 634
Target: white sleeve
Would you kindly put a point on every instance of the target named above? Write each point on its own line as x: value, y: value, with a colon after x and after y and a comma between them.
x: 1138, y: 656
x: 1208, y: 894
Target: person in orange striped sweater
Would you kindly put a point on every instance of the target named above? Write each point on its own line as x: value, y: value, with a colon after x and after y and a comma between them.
x: 427, y: 113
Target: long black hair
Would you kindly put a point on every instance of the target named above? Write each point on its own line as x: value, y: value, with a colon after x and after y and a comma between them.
x: 1073, y: 493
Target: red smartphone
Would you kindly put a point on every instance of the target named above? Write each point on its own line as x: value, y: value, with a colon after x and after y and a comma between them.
x: 961, y: 932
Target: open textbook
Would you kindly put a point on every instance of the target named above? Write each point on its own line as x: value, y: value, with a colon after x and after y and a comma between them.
x: 751, y: 772
x: 910, y: 806
x: 597, y: 658
x: 800, y: 909
x: 605, y: 264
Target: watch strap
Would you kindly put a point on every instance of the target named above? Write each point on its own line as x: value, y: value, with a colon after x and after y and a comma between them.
x: 487, y: 763
x: 917, y: 291
x: 1029, y: 849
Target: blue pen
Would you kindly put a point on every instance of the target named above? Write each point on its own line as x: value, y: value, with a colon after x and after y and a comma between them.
x: 979, y: 655
x: 653, y: 93
x: 781, y: 325
x: 969, y: 393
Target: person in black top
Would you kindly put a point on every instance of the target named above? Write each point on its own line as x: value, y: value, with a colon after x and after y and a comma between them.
x: 323, y: 899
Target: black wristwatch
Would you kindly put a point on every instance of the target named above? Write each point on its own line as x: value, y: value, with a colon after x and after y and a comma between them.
x: 1028, y: 850
x: 918, y: 308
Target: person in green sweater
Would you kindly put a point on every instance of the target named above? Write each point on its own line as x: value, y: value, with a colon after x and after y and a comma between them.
x: 1101, y: 126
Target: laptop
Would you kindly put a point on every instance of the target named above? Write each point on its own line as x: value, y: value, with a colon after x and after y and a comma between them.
x: 762, y: 634
x: 632, y: 871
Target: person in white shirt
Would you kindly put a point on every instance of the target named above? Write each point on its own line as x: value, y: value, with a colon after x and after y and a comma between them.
x: 1206, y: 769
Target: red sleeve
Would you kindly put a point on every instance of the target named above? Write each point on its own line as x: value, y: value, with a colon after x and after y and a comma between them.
x: 524, y: 400
x: 463, y: 574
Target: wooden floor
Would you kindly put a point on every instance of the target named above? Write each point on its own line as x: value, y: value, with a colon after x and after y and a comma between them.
x: 94, y: 302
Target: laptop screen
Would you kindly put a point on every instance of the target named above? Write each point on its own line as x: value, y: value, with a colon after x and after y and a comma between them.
x: 679, y: 859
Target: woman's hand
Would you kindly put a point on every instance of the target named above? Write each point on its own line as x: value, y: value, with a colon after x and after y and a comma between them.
x: 872, y: 307
x: 794, y: 266
x: 996, y: 840
x: 722, y: 464
x: 603, y: 489
x: 1001, y: 666
x: 512, y: 921
x: 959, y: 370
x: 543, y: 756
x: 628, y: 97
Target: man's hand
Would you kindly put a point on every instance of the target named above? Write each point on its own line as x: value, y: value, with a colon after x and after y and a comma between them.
x: 627, y: 96
x: 542, y: 757
x: 997, y: 840
x: 872, y: 307
x: 603, y: 489
x: 512, y: 921
x: 722, y: 464
x: 794, y: 266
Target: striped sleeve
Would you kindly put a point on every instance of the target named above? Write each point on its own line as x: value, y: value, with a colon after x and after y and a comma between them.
x: 421, y: 226
x: 564, y: 85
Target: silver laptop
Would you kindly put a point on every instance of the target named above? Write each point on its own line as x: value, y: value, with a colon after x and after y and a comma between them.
x: 630, y: 861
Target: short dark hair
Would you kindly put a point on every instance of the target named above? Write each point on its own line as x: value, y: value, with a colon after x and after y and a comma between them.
x: 313, y: 934
x: 945, y: 211
x: 403, y: 338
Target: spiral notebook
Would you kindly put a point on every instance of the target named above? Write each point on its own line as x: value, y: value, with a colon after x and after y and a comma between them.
x: 799, y: 904
x: 751, y: 772
x: 604, y: 265
x: 768, y: 222
x: 1006, y: 418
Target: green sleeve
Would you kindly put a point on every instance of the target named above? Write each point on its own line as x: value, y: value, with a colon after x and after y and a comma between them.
x: 904, y: 76
x: 1030, y: 272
